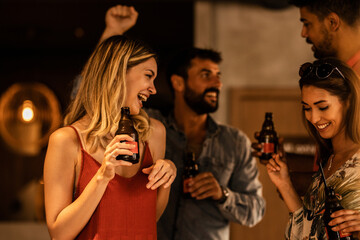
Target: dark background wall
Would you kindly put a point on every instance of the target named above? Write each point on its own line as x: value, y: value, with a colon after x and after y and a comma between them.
x: 49, y: 41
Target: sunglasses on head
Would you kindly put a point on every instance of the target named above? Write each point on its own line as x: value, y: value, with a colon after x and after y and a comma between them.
x: 321, y: 71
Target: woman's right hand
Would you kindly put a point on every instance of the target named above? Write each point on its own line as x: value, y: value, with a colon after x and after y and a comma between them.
x: 113, y: 149
x: 278, y: 171
x: 346, y: 221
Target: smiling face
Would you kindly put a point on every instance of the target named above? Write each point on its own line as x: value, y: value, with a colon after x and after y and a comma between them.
x: 140, y: 84
x: 202, y: 86
x: 316, y: 33
x: 324, y: 111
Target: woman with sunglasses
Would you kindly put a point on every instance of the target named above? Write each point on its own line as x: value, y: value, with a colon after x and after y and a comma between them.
x: 330, y: 98
x: 89, y: 194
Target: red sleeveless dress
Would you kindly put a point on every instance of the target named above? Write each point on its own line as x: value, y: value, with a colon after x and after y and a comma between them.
x: 127, y: 210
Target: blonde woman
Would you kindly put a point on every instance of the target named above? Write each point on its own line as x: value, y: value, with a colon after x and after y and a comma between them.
x: 88, y: 193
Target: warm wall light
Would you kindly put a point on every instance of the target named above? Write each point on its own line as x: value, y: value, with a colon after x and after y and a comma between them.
x: 29, y: 112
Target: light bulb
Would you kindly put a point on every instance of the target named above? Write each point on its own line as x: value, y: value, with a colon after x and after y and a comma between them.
x: 27, y: 113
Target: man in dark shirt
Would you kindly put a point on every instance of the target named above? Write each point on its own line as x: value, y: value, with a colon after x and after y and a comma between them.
x: 227, y: 187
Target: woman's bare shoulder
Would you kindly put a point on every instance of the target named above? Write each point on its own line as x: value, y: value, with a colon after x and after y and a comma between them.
x: 157, y: 139
x: 64, y: 139
x: 64, y: 134
x: 158, y: 127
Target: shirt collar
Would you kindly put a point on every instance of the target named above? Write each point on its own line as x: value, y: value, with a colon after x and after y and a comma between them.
x: 211, y: 126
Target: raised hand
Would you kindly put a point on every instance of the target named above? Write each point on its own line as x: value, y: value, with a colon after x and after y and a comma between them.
x: 118, y: 20
x: 161, y: 173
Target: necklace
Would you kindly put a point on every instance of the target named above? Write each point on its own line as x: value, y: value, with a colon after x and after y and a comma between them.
x: 331, y: 160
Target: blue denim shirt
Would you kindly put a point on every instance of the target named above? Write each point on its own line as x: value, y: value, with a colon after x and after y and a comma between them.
x: 226, y: 153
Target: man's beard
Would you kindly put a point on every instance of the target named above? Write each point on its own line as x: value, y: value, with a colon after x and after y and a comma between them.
x: 198, y: 103
x: 324, y: 48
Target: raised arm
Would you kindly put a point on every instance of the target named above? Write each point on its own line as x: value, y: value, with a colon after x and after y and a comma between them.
x: 118, y: 20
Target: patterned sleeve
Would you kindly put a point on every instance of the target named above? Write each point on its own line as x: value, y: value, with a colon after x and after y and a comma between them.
x: 295, y: 225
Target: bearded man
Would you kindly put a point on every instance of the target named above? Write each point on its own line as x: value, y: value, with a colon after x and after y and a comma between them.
x: 227, y: 187
x: 333, y: 28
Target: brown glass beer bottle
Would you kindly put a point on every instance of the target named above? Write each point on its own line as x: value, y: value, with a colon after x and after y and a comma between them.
x: 332, y: 204
x: 191, y: 169
x: 126, y: 126
x: 268, y: 138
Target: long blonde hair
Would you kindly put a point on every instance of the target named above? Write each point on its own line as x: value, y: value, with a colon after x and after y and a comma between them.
x: 103, y: 89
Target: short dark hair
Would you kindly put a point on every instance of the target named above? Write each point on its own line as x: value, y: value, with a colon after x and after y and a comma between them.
x: 181, y: 62
x: 347, y: 10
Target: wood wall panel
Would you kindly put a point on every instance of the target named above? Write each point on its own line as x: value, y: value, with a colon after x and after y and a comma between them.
x: 248, y: 107
x: 247, y: 112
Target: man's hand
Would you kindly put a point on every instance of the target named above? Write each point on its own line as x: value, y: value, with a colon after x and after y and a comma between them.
x: 118, y: 20
x: 205, y: 185
x: 256, y: 146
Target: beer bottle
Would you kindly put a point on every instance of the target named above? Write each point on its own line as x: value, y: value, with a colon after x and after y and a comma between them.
x: 191, y: 169
x: 268, y: 138
x: 332, y: 204
x: 126, y: 126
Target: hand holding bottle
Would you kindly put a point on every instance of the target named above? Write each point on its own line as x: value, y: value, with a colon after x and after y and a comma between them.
x: 116, y: 147
x: 346, y: 221
x: 267, y: 141
x: 332, y: 205
x: 191, y: 169
x: 204, y: 185
x: 256, y: 147
x: 126, y: 126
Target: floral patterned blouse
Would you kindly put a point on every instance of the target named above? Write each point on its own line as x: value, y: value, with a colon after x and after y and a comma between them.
x: 306, y: 222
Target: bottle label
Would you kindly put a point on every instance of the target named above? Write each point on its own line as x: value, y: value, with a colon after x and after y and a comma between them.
x: 267, y: 147
x: 186, y: 185
x: 344, y: 234
x: 135, y: 149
